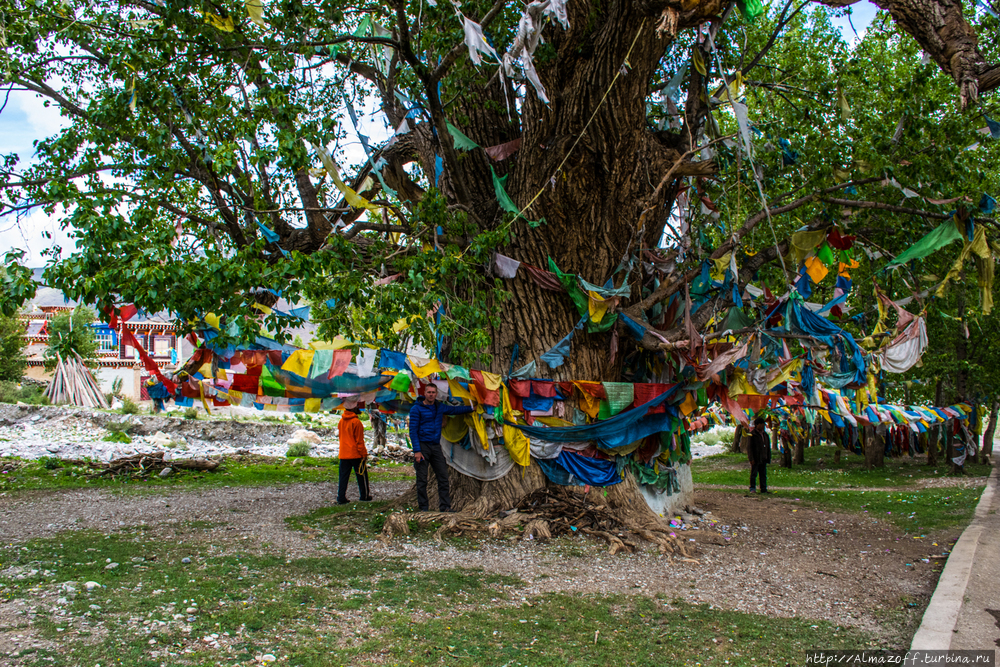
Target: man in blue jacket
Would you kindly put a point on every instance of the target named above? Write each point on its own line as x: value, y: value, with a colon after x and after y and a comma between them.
x: 426, y: 417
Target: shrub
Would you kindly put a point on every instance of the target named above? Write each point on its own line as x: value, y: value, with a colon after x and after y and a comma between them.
x: 129, y: 407
x: 30, y: 394
x: 50, y: 462
x: 191, y: 413
x: 298, y: 449
x: 117, y: 437
x: 377, y: 522
x: 717, y: 435
x: 120, y: 427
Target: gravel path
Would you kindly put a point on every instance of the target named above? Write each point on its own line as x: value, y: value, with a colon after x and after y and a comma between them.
x: 754, y: 554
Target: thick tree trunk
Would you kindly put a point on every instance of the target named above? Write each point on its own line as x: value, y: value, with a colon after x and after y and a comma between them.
x: 737, y: 446
x: 991, y: 427
x: 596, y: 119
x: 874, y: 448
x: 933, y: 436
x: 378, y: 431
x: 800, y: 450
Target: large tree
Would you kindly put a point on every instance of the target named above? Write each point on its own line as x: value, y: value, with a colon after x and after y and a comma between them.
x: 198, y: 169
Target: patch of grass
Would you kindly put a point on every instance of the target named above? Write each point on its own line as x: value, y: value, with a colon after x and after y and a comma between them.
x: 916, y: 512
x: 30, y: 394
x: 33, y: 475
x: 129, y: 407
x: 733, y: 470
x: 331, y: 610
x: 298, y: 449
x: 191, y: 413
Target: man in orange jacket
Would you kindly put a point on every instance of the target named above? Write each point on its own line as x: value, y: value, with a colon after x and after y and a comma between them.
x: 353, y: 456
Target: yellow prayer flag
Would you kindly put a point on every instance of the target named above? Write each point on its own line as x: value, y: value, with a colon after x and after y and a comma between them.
x: 458, y: 391
x: 597, y: 306
x: 256, y: 11
x: 299, y: 362
x: 314, y: 404
x: 479, y: 427
x: 216, y: 21
x: 352, y: 197
x: 491, y: 380
x: 816, y: 269
x: 422, y: 370
x: 690, y: 403
x: 338, y: 343
x: 518, y: 445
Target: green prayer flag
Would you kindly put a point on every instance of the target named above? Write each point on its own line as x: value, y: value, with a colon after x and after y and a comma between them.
x: 462, y: 142
x: 455, y: 373
x: 947, y: 233
x: 506, y: 203
x: 580, y: 300
x: 736, y: 319
x: 269, y: 386
x: 401, y: 383
x: 620, y: 395
x: 825, y: 254
x: 750, y: 9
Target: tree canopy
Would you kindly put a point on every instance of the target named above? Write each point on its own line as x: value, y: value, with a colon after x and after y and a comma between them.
x: 70, y: 333
x: 374, y: 158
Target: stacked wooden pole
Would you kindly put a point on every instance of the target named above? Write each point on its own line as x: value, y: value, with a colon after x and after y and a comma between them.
x: 73, y: 383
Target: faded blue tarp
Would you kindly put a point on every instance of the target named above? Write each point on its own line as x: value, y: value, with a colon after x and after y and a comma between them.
x: 622, y: 429
x: 569, y: 469
x: 393, y: 360
x: 801, y: 320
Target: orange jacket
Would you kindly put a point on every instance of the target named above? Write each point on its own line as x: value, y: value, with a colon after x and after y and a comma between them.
x: 352, y: 437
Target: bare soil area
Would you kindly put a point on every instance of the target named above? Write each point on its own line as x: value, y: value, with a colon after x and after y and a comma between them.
x: 757, y: 554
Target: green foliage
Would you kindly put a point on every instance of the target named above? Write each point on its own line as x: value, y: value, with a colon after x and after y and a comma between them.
x: 117, y: 437
x: 191, y: 413
x: 116, y: 386
x: 129, y: 407
x: 70, y: 332
x: 17, y: 285
x: 50, y: 463
x: 12, y: 358
x: 298, y: 449
x: 481, y: 617
x: 203, y: 134
x: 125, y: 426
x: 30, y: 394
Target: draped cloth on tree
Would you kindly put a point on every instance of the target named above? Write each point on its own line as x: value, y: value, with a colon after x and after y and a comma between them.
x: 618, y: 431
x: 904, y: 352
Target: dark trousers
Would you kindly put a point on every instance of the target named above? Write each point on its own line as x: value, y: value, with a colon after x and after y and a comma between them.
x: 360, y: 471
x: 434, y: 458
x: 761, y: 469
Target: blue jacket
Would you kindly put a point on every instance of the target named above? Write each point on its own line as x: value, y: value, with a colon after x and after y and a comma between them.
x: 425, y: 421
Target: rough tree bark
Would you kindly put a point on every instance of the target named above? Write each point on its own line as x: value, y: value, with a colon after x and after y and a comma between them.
x: 604, y: 187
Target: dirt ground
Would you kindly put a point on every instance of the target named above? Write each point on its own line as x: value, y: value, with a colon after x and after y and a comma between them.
x: 755, y: 554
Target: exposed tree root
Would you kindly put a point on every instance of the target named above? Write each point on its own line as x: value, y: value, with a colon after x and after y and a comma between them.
x: 140, y: 465
x: 618, y: 515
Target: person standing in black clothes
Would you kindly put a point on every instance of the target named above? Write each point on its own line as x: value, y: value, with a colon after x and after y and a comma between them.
x: 760, y: 455
x: 426, y: 417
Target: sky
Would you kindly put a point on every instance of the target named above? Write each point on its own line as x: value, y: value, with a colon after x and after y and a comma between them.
x: 26, y: 119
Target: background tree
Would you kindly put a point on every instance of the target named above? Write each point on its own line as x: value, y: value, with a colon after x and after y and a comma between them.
x: 12, y: 358
x: 70, y: 332
x: 200, y: 168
